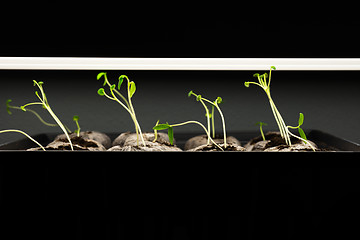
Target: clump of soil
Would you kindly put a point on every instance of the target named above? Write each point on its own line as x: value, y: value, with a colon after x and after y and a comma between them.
x: 275, y: 143
x: 90, y: 140
x: 128, y: 142
x: 78, y: 143
x: 99, y: 137
x: 212, y: 148
x: 199, y: 143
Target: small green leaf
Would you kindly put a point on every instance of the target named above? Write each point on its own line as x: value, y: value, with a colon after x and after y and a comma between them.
x: 273, y: 67
x: 171, y: 135
x: 198, y: 98
x: 262, y: 76
x: 8, y: 106
x: 121, y: 79
x: 76, y: 118
x: 190, y: 93
x: 132, y: 88
x: 101, y: 92
x: 256, y: 75
x: 123, y: 76
x: 210, y: 115
x: 301, y: 119
x: 23, y: 108
x: 247, y: 84
x: 261, y: 124
x: 112, y: 87
x: 302, y: 134
x: 219, y: 100
x: 100, y: 75
x: 161, y: 126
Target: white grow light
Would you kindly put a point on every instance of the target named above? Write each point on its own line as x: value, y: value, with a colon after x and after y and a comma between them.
x: 84, y: 63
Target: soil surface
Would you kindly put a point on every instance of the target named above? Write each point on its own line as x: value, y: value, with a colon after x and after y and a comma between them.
x: 128, y: 142
x: 275, y: 143
x: 86, y: 141
x: 201, y: 140
x: 231, y: 147
x: 92, y: 135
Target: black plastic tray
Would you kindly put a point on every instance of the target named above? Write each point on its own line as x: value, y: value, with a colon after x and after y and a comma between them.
x: 322, y: 139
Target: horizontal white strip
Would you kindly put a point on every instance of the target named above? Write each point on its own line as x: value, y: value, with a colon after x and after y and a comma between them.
x: 79, y: 63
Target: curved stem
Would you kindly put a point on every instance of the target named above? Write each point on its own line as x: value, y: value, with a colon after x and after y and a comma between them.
x: 116, y: 91
x: 213, y: 120
x: 57, y: 120
x: 132, y: 114
x: 222, y: 118
x: 279, y: 120
x: 257, y: 84
x: 262, y: 133
x: 43, y: 99
x: 29, y: 104
x: 19, y: 131
x: 137, y: 125
x: 196, y: 122
x: 307, y: 142
x: 223, y: 122
x: 78, y: 129
x: 207, y: 118
x: 37, y: 115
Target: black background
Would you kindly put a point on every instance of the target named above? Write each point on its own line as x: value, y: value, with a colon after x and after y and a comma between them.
x: 261, y: 30
x: 187, y: 198
x: 112, y: 197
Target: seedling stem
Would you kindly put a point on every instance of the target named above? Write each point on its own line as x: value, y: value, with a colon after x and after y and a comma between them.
x: 131, y: 88
x: 213, y: 104
x: 261, y: 130
x: 19, y: 131
x: 284, y: 130
x: 170, y: 127
x: 45, y: 104
x: 76, y: 120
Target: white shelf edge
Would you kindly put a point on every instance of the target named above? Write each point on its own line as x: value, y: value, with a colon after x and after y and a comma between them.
x: 85, y: 63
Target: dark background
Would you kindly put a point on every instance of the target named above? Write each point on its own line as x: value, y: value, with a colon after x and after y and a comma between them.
x: 328, y: 100
x: 183, y: 198
x: 182, y: 30
x: 164, y: 197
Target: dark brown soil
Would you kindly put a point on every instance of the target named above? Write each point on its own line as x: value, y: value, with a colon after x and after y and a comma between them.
x: 128, y: 142
x: 80, y: 141
x: 83, y: 142
x: 99, y: 137
x: 212, y: 148
x: 274, y: 142
x: 201, y: 140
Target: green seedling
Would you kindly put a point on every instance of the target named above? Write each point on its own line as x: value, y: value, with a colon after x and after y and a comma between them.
x: 25, y: 134
x: 76, y: 120
x: 264, y: 83
x: 44, y: 103
x: 261, y: 130
x: 301, y: 132
x: 155, y: 132
x: 171, y: 131
x: 8, y: 107
x: 211, y: 115
x: 126, y: 104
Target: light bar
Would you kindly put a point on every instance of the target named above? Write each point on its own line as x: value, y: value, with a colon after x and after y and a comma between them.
x: 83, y: 63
